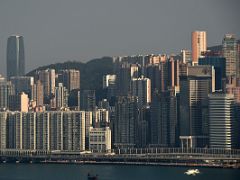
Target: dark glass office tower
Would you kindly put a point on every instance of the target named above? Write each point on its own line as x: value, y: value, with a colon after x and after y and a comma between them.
x: 219, y: 64
x: 15, y: 56
x: 194, y: 89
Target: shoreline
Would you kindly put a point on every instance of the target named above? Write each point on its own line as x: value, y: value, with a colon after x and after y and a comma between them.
x: 150, y: 164
x: 195, y: 165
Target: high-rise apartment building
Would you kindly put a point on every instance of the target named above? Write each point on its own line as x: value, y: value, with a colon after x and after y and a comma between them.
x: 125, y: 121
x: 70, y: 79
x: 3, y: 130
x: 56, y: 130
x: 74, y: 131
x: 143, y: 127
x: 164, y: 121
x: 141, y: 88
x: 47, y: 77
x: 19, y: 102
x: 135, y: 59
x: 23, y: 84
x: 156, y: 59
x: 154, y: 74
x: 199, y: 45
x: 173, y: 74
x: 6, y: 89
x: 37, y: 93
x: 15, y: 56
x: 88, y: 100
x: 88, y: 124
x: 14, y: 130
x: 29, y: 130
x: 101, y: 118
x: 43, y: 131
x: 159, y: 76
x: 109, y: 84
x: 123, y: 73
x: 61, y: 96
x: 126, y: 68
x: 134, y: 71
x: 229, y: 47
x: 108, y: 80
x: 49, y: 130
x: 186, y: 56
x: 24, y: 100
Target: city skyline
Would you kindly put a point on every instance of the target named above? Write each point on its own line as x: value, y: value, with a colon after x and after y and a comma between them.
x: 142, y: 102
x: 95, y: 29
x: 129, y: 83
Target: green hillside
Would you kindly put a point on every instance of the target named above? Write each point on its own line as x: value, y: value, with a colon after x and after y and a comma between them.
x: 91, y: 72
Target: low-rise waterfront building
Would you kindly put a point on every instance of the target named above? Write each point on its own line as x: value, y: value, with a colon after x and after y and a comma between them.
x: 100, y: 139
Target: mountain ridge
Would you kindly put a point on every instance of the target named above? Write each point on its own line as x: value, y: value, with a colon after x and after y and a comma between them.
x: 91, y: 72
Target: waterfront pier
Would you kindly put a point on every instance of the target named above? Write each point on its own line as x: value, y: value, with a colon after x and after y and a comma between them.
x: 150, y: 156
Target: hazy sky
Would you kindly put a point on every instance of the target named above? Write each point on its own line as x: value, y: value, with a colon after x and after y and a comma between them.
x: 60, y: 30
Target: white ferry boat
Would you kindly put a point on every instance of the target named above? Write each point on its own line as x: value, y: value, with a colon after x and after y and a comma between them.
x: 192, y: 172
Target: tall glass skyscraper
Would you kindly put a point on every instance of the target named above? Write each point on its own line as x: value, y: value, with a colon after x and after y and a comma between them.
x: 194, y: 89
x: 219, y: 64
x: 15, y: 56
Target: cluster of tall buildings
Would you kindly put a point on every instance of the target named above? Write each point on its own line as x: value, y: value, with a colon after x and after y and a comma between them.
x: 169, y: 100
x: 191, y: 99
x: 35, y: 112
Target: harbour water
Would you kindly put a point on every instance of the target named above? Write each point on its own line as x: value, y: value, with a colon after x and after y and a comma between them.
x: 109, y: 172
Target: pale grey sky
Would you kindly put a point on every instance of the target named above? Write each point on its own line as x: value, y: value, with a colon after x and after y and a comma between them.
x: 60, y: 30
